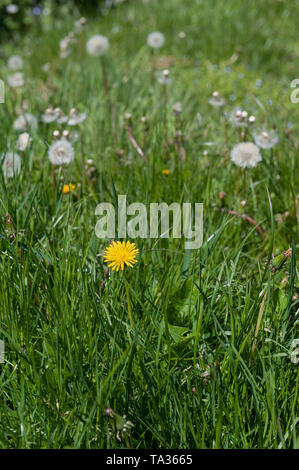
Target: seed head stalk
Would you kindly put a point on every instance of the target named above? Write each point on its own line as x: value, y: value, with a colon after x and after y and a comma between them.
x: 105, y: 81
x: 165, y: 102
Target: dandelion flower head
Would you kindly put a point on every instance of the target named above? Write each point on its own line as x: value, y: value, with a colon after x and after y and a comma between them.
x: 68, y: 188
x: 121, y: 254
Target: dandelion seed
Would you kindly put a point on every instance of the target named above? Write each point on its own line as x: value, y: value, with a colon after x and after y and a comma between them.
x: 216, y: 100
x: 155, y: 39
x: 15, y: 62
x: 246, y: 155
x: 61, y: 152
x: 16, y: 80
x: 24, y: 122
x: 11, y: 165
x: 23, y: 141
x: 265, y: 139
x: 121, y: 254
x: 97, y: 45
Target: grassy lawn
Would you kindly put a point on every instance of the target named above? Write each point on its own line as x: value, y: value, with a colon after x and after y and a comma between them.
x: 188, y: 348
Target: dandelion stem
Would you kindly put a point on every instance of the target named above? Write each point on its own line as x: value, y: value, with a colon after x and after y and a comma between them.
x: 134, y: 143
x: 106, y: 87
x: 248, y: 218
x: 129, y: 301
x: 165, y: 123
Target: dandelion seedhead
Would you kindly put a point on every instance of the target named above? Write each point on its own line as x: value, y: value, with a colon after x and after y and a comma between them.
x: 120, y: 426
x: 97, y: 45
x: 246, y: 155
x: 12, y: 8
x: 16, y: 80
x: 216, y: 100
x: 61, y: 152
x: 265, y: 139
x: 25, y: 122
x: 155, y: 39
x: 23, y: 141
x: 163, y: 77
x: 11, y: 165
x: 177, y: 108
x: 76, y: 117
x: 49, y: 115
x: 15, y: 62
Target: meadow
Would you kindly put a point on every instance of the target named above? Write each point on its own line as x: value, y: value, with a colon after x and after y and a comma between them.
x: 186, y: 348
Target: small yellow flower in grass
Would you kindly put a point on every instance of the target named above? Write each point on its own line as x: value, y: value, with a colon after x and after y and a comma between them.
x: 166, y: 172
x: 68, y: 188
x: 119, y: 254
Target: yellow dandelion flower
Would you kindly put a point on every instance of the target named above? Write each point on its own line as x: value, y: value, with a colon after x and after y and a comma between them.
x: 119, y: 254
x: 166, y: 172
x: 68, y: 188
